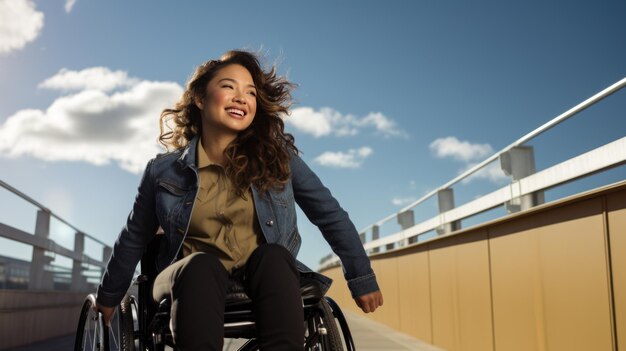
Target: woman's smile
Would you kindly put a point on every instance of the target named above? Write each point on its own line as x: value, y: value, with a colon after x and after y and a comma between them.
x: 236, y: 113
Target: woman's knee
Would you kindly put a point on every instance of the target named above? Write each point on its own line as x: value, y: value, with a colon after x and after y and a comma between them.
x: 201, y: 267
x: 272, y: 251
x: 201, y: 263
x: 195, y: 269
x: 271, y: 259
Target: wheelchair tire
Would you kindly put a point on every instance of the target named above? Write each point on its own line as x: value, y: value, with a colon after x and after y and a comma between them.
x: 127, y: 334
x: 93, y: 335
x: 333, y: 338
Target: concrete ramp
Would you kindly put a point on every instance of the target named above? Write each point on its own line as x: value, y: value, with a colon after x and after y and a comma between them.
x: 370, y: 335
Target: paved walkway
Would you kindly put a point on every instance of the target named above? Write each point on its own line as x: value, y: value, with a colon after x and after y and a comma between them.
x: 63, y: 343
x: 368, y: 336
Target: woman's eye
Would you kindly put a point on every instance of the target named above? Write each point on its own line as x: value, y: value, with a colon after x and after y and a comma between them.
x: 253, y: 93
x: 227, y: 86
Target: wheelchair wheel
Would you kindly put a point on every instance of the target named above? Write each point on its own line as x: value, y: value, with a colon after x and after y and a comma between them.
x: 321, y: 332
x: 332, y: 342
x: 93, y: 335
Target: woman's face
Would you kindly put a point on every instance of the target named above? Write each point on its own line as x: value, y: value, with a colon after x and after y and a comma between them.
x: 229, y: 103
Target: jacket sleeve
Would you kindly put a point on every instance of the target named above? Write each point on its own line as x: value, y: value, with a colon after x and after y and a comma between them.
x: 323, y: 210
x: 140, y: 227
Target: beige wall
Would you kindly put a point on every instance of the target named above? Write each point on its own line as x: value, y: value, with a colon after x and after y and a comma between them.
x: 616, y: 208
x: 414, y: 295
x: 29, y: 316
x: 549, y: 280
x: 552, y: 278
x: 460, y: 294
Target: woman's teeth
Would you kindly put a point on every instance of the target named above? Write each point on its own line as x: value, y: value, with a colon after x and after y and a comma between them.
x: 235, y: 111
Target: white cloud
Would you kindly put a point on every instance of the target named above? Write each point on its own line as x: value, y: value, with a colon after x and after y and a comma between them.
x: 469, y: 154
x: 94, y: 78
x: 492, y: 172
x: 327, y: 122
x: 69, y: 4
x: 383, y: 125
x: 403, y: 201
x: 20, y: 23
x: 353, y: 158
x: 92, y: 125
x: 460, y: 150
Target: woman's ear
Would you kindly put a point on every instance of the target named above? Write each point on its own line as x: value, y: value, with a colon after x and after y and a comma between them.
x: 198, y: 102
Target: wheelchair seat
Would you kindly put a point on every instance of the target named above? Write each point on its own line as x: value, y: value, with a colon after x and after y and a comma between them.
x: 236, y: 297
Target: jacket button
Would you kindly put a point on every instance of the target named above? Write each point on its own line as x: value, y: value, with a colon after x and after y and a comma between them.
x: 269, y: 222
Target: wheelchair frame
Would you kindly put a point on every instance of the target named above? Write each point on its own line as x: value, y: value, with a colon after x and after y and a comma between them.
x: 141, y: 325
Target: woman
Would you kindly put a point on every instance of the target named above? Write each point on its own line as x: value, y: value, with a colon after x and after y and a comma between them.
x: 225, y: 198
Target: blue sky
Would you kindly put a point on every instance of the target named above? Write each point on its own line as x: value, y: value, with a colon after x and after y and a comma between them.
x: 394, y: 98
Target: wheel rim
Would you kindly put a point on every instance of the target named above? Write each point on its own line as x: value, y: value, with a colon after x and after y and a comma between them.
x: 93, y: 335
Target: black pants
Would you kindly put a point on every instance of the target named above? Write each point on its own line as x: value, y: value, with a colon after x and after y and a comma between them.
x: 197, y: 286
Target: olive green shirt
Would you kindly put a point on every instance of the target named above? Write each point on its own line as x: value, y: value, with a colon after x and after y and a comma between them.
x: 222, y: 223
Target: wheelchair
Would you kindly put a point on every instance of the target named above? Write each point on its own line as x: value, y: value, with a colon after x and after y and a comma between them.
x: 139, y: 324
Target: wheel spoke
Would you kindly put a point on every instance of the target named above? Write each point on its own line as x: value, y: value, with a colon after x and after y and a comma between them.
x: 95, y: 337
x: 85, y: 337
x: 113, y: 328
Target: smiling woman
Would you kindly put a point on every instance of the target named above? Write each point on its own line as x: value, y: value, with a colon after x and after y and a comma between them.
x: 225, y: 198
x: 260, y: 153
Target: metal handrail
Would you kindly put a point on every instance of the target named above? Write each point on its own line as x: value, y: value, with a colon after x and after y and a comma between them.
x: 555, y: 121
x: 40, y: 265
x: 47, y: 210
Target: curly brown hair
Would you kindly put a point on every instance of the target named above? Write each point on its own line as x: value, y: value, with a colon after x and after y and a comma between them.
x: 259, y: 154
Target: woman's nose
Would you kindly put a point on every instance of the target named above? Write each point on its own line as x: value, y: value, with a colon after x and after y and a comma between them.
x: 239, y: 98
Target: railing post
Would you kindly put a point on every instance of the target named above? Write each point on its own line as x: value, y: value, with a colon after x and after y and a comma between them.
x: 78, y: 280
x: 519, y: 162
x: 375, y: 236
x: 445, y: 198
x: 40, y: 279
x: 406, y: 220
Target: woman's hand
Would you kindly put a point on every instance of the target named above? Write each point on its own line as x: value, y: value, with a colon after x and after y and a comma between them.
x: 107, y: 313
x: 369, y: 302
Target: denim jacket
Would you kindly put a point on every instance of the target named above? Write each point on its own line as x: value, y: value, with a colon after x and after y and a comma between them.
x: 166, y: 196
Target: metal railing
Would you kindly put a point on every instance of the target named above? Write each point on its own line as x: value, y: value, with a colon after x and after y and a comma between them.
x: 43, y: 274
x: 525, y: 190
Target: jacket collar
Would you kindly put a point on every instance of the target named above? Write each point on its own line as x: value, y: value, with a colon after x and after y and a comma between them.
x: 188, y: 157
